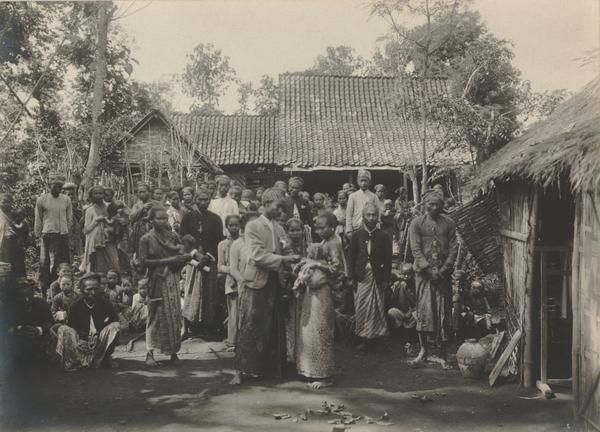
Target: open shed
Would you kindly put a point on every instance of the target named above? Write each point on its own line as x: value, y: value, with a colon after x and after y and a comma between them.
x: 547, y: 183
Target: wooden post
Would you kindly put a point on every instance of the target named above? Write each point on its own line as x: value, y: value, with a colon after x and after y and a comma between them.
x: 528, y: 379
x: 575, y: 349
x: 543, y: 319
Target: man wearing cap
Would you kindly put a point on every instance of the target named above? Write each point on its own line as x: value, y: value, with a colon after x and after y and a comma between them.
x: 434, y: 247
x: 53, y: 221
x: 27, y: 322
x: 295, y: 205
x: 90, y: 336
x: 223, y: 205
x: 261, y: 344
x: 357, y: 201
x: 370, y: 269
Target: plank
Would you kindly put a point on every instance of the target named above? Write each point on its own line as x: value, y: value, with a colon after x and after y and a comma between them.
x: 514, y: 235
x: 496, y: 344
x: 504, y: 357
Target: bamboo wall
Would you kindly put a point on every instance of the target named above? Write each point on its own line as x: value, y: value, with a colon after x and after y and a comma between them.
x: 515, y: 202
x: 586, y: 305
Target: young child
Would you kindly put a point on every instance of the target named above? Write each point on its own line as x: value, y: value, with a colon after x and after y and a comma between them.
x: 62, y: 301
x: 192, y: 297
x: 139, y: 307
x: 112, y: 286
x: 64, y: 270
x: 401, y: 302
x: 127, y: 292
x: 233, y: 225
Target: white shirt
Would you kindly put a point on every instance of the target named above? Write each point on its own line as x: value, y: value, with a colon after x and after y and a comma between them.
x: 224, y: 207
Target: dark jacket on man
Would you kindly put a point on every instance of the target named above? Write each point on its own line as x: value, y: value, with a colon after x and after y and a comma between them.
x: 205, y: 227
x: 380, y: 258
x: 103, y: 313
x: 304, y: 209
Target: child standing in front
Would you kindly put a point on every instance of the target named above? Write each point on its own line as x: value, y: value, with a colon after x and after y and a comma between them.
x: 233, y: 226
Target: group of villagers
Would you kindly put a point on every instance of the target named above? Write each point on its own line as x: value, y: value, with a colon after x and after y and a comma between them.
x: 280, y: 270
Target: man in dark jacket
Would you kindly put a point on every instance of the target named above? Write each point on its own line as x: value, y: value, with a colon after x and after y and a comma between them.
x: 295, y: 205
x: 27, y: 321
x: 92, y: 331
x: 370, y: 269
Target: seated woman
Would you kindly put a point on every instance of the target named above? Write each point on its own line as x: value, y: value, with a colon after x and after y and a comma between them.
x: 89, y: 339
x: 315, y: 343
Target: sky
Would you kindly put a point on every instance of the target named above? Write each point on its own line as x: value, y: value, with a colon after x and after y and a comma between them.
x: 276, y: 36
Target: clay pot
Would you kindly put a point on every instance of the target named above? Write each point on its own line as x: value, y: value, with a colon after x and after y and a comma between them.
x: 471, y: 358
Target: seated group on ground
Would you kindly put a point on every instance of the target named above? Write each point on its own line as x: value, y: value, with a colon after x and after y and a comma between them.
x: 277, y: 273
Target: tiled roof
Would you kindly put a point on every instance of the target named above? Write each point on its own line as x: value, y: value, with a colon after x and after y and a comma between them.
x: 231, y: 139
x: 348, y: 122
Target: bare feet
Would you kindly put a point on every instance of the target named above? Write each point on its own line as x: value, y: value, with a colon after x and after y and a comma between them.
x: 419, y: 359
x: 361, y: 347
x: 237, y: 379
x: 150, y: 360
x: 230, y: 349
x: 316, y: 385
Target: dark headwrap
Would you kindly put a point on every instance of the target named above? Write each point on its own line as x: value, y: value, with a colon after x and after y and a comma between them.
x: 432, y: 195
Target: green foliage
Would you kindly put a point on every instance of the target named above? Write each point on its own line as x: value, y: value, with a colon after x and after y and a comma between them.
x: 207, y: 76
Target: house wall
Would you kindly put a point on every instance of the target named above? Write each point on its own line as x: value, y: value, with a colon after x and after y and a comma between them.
x: 516, y: 203
x: 586, y: 307
x: 154, y: 142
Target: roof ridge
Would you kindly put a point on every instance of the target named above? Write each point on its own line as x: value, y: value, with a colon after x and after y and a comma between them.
x: 365, y: 77
x: 226, y: 115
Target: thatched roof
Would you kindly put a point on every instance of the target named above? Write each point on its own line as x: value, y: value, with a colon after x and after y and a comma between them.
x: 565, y: 145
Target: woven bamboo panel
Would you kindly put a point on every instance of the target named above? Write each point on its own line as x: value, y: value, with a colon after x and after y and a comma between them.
x: 477, y: 223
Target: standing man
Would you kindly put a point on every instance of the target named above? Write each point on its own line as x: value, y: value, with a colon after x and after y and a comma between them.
x: 223, y: 205
x: 370, y: 269
x: 357, y: 201
x: 206, y: 227
x: 295, y: 205
x: 53, y: 220
x: 434, y: 247
x: 261, y: 345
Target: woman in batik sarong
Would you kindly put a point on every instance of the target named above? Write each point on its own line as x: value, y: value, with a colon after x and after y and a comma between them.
x: 161, y: 253
x: 315, y: 346
x: 14, y: 233
x: 369, y: 268
x: 295, y: 232
x: 433, y: 244
x: 100, y: 254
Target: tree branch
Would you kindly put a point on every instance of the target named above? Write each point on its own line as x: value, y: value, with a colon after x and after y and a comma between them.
x: 15, y: 95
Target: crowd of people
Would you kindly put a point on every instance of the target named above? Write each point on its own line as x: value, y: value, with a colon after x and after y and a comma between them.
x: 280, y: 274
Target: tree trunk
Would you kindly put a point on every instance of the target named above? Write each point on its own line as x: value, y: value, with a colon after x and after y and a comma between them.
x: 104, y: 15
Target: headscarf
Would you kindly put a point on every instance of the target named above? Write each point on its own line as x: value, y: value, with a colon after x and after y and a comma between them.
x: 296, y: 181
x: 271, y: 194
x: 56, y: 177
x: 363, y: 174
x: 70, y: 185
x: 223, y: 179
x: 432, y: 195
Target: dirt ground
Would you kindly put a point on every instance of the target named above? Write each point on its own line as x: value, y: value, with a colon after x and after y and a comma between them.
x: 195, y: 395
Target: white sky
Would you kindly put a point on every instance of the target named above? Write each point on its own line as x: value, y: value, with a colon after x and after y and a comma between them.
x: 276, y: 36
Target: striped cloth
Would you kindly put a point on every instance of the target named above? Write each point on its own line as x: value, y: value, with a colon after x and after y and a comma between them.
x: 370, y: 320
x: 163, y: 326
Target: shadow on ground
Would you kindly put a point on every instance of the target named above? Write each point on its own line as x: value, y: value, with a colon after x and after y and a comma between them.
x: 194, y: 395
